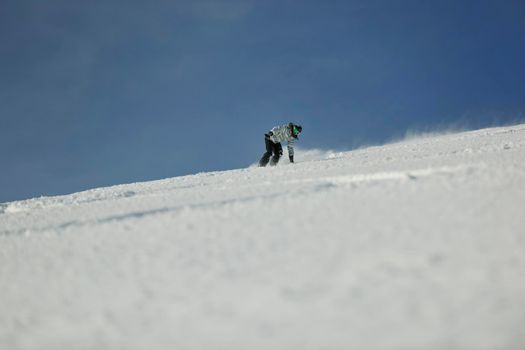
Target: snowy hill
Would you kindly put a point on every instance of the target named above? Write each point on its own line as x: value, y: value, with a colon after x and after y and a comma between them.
x: 414, y: 245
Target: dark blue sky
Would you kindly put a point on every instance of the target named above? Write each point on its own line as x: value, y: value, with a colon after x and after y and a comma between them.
x: 96, y: 93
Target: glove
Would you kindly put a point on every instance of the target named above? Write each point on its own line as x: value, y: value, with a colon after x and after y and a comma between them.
x: 291, y: 159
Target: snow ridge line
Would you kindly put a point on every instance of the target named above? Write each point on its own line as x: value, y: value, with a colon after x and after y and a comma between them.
x: 319, y: 184
x: 55, y: 201
x: 392, y: 175
x: 135, y: 215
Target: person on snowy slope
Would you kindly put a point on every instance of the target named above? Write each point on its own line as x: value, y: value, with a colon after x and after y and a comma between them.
x: 273, y: 141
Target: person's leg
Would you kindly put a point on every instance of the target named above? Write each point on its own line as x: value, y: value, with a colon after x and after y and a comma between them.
x: 277, y: 153
x: 269, y: 148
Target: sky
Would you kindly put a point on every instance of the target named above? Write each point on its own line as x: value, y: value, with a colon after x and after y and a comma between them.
x: 97, y: 93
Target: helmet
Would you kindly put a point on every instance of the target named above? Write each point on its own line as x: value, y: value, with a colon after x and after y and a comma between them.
x: 296, y: 129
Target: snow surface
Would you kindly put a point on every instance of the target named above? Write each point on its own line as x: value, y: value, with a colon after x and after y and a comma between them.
x: 414, y: 245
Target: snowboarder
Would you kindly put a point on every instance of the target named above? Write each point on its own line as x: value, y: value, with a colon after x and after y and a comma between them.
x: 273, y: 141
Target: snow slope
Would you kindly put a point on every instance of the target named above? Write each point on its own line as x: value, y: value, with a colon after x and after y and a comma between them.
x: 414, y: 245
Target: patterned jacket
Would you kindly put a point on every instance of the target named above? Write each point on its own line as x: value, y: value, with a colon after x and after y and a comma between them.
x: 283, y: 133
